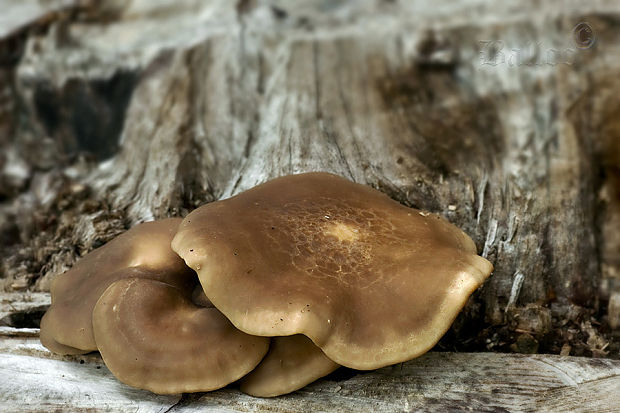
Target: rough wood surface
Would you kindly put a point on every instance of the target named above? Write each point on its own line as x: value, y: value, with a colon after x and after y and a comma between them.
x: 12, y: 304
x: 33, y: 379
x: 20, y: 15
x: 490, y: 113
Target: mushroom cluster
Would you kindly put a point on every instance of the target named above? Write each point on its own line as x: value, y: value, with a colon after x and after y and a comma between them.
x: 276, y: 287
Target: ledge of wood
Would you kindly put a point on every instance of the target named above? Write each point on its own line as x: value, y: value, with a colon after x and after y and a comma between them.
x: 33, y: 379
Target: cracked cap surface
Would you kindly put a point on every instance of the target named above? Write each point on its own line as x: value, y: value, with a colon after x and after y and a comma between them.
x: 368, y: 280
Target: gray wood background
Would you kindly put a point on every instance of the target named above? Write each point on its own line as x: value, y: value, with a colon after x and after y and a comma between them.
x: 501, y: 116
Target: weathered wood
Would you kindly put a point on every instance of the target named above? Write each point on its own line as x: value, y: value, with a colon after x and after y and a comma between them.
x: 20, y: 15
x: 19, y: 303
x: 38, y: 384
x: 33, y: 379
x: 138, y: 110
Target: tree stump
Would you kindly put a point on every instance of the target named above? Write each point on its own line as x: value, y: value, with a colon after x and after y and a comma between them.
x: 502, y: 117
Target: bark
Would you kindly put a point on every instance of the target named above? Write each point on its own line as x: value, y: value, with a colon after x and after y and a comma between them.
x: 491, y: 114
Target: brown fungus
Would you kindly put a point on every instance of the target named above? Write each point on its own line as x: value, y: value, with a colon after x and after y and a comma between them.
x: 291, y: 363
x: 199, y: 298
x: 48, y: 341
x: 152, y: 336
x: 369, y: 281
x: 142, y: 252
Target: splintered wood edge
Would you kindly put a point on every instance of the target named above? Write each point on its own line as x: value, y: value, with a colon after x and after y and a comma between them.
x: 11, y: 303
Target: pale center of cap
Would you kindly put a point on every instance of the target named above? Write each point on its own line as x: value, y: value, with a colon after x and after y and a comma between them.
x: 147, y: 255
x: 343, y: 232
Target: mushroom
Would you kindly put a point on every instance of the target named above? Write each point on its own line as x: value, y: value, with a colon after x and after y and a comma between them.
x: 152, y: 336
x: 142, y: 252
x: 199, y: 298
x: 370, y: 281
x: 45, y: 336
x: 291, y: 363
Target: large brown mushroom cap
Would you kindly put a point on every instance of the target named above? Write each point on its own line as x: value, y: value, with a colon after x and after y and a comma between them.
x: 291, y: 363
x: 370, y: 281
x: 153, y: 337
x: 142, y: 252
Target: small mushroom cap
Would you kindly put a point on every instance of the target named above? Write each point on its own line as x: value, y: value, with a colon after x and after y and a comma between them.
x: 369, y: 281
x: 142, y: 252
x: 291, y: 363
x: 153, y: 337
